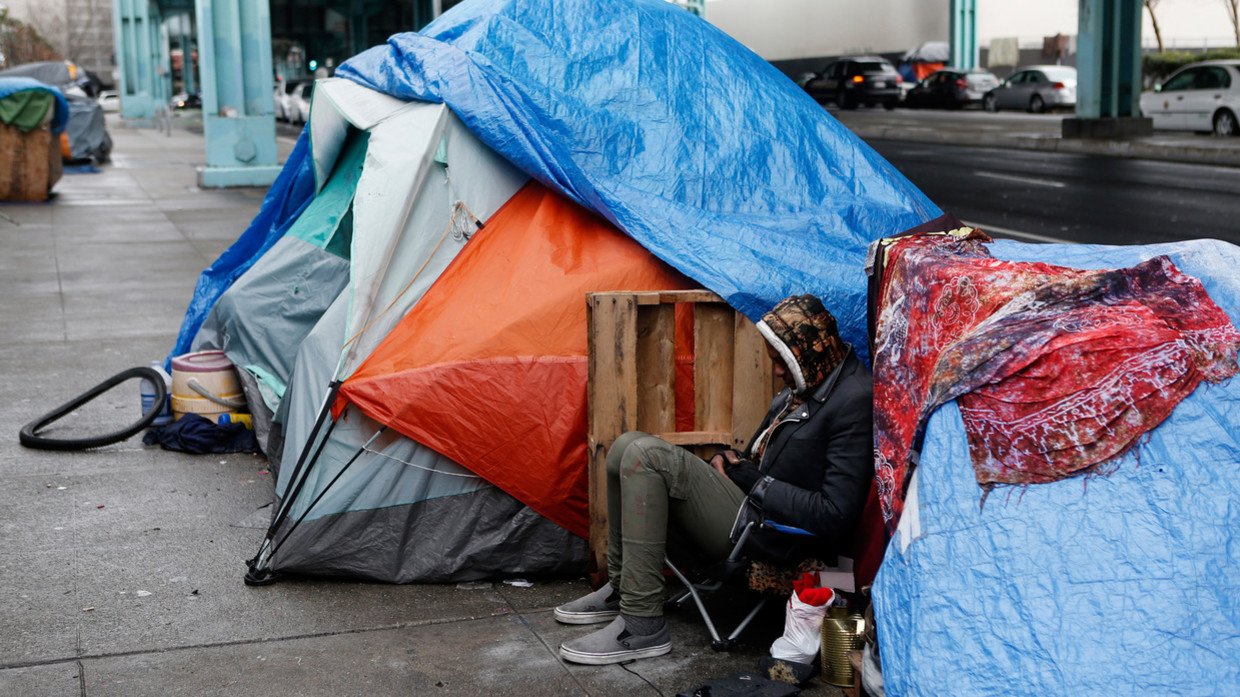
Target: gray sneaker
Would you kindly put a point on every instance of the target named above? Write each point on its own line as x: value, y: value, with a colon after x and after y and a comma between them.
x: 592, y: 608
x: 614, y: 644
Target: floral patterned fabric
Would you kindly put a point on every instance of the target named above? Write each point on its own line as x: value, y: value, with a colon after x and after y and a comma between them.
x: 1056, y: 370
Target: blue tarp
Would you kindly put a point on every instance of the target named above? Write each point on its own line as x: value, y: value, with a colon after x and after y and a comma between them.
x: 284, y: 202
x: 1124, y: 584
x: 10, y: 85
x: 656, y: 120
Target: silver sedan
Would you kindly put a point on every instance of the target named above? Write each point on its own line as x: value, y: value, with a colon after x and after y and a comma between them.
x: 1037, y: 88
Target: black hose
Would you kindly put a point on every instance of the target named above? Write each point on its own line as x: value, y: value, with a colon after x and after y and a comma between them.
x: 30, y: 438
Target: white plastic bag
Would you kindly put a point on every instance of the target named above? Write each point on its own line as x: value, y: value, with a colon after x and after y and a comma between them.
x: 802, y: 632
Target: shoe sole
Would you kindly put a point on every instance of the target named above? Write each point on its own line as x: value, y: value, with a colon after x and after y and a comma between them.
x: 566, y: 617
x: 602, y: 659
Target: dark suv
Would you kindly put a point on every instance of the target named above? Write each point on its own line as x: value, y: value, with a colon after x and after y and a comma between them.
x: 854, y: 80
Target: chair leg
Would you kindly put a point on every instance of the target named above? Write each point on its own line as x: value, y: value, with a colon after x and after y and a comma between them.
x: 697, y: 600
x: 692, y: 591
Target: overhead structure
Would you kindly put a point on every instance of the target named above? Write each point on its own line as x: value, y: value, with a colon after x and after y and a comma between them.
x: 964, y: 34
x: 1108, y: 66
x: 143, y: 79
x: 234, y: 43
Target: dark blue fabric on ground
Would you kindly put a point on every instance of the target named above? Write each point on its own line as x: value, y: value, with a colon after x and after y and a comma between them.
x: 197, y: 435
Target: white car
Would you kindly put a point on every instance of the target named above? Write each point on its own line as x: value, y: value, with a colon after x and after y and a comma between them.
x: 299, y: 102
x: 109, y: 101
x: 283, y: 99
x: 1199, y: 97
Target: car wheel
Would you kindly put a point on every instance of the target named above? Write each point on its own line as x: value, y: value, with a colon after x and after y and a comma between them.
x: 1224, y: 123
x: 1036, y: 105
x: 847, y: 101
x: 989, y: 103
x: 889, y: 104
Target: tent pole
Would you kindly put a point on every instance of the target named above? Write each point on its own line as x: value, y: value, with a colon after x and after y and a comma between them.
x: 258, y: 573
x: 326, y: 489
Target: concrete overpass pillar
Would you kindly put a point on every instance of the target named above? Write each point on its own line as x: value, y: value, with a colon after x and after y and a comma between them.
x: 187, y: 53
x: 1108, y: 65
x: 136, y: 26
x: 234, y: 51
x: 964, y: 34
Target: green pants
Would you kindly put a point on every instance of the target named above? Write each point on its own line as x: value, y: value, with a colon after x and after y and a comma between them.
x: 651, y: 485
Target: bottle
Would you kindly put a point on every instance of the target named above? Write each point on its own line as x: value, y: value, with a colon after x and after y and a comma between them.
x: 243, y: 419
x: 147, y: 391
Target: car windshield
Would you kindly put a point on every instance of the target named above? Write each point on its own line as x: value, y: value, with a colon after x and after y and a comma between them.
x: 874, y: 67
x: 1059, y: 74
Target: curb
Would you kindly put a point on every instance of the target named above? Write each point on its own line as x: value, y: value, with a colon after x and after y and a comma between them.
x: 1130, y: 149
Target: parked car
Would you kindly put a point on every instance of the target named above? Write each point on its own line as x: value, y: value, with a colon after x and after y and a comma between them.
x: 951, y: 89
x: 855, y: 80
x: 186, y: 100
x: 109, y: 101
x: 1037, y: 88
x: 283, y: 98
x: 1201, y: 97
x: 299, y: 102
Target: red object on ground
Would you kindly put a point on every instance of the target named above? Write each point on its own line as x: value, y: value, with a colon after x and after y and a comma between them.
x: 489, y: 368
x: 1056, y: 370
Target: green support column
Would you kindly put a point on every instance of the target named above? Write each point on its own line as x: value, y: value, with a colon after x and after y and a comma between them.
x: 234, y: 51
x: 161, y: 57
x: 1108, y: 66
x: 136, y: 66
x: 187, y: 52
x: 964, y: 34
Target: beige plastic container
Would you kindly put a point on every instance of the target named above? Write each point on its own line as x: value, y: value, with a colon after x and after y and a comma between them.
x: 210, y: 372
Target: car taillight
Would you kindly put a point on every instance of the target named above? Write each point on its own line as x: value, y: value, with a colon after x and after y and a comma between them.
x: 962, y: 84
x: 899, y: 80
x: 858, y: 79
x: 1059, y: 86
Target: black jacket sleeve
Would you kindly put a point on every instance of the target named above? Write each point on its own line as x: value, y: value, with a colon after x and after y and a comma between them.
x: 839, y: 454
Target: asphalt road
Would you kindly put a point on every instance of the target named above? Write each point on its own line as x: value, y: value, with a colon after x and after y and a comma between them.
x: 1039, y: 196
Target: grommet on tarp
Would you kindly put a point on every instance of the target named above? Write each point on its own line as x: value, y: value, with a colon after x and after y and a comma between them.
x: 29, y: 435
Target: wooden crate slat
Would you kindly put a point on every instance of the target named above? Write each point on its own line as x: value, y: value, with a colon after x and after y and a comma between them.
x: 662, y: 297
x: 751, y: 381
x: 688, y: 438
x: 611, y: 398
x: 656, y: 368
x: 713, y: 327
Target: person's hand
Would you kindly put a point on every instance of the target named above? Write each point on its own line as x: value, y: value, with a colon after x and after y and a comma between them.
x: 743, y: 473
x: 718, y: 462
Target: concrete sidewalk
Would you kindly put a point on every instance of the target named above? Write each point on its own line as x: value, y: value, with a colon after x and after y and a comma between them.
x: 121, y: 568
x: 1020, y: 131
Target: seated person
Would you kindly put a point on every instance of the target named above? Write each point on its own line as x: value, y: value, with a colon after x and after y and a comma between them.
x: 809, y: 465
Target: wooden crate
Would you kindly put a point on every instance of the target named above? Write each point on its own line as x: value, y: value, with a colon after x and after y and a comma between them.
x: 29, y: 163
x: 632, y: 382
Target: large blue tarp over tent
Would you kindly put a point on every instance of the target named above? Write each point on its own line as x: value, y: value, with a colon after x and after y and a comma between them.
x: 656, y: 120
x: 1122, y: 584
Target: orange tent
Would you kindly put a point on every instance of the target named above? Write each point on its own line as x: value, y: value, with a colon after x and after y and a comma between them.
x: 489, y: 368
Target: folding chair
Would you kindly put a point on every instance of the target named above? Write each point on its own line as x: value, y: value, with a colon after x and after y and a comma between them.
x: 729, y: 566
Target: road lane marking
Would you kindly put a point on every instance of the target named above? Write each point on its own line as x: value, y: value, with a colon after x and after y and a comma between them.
x: 1032, y: 237
x: 1021, y: 180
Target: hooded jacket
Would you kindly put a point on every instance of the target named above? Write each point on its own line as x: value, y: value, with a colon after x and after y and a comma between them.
x: 817, y: 462
x: 817, y: 467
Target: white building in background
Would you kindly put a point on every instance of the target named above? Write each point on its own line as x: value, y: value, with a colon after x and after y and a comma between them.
x: 80, y: 30
x: 798, y: 34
